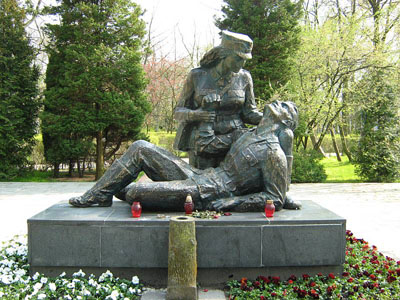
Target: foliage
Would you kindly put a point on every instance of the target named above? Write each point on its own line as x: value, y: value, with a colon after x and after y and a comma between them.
x: 307, y: 167
x: 95, y: 80
x: 377, y: 157
x: 368, y: 274
x: 166, y: 78
x: 19, y: 101
x: 15, y: 282
x: 273, y: 26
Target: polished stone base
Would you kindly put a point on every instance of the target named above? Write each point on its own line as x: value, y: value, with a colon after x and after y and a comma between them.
x: 64, y: 238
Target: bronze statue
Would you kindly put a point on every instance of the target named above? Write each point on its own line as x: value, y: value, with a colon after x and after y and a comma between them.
x: 216, y: 101
x: 257, y: 167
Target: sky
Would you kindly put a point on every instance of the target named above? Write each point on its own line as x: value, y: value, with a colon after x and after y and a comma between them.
x: 177, y: 23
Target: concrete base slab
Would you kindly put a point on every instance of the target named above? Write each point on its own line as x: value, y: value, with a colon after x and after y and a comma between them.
x: 64, y: 238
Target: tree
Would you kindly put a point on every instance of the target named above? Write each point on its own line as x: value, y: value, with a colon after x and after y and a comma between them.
x: 19, y: 101
x: 97, y: 88
x: 378, y: 154
x: 273, y: 26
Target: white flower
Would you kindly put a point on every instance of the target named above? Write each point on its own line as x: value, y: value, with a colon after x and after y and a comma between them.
x: 138, y: 291
x: 52, y: 286
x: 43, y: 280
x: 10, y: 251
x: 71, y: 285
x: 135, y: 280
x: 37, y: 286
x: 132, y: 291
x: 85, y: 292
x: 62, y: 274
x: 78, y: 297
x: 67, y: 297
x: 123, y: 286
x: 6, y: 279
x: 80, y: 273
x: 36, y: 276
x: 41, y: 296
x: 20, y: 272
x: 92, y: 282
x: 1, y: 294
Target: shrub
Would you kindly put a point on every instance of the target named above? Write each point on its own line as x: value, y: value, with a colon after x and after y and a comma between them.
x: 307, y: 167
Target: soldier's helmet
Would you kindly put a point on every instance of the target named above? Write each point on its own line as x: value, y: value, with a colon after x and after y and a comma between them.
x: 239, y: 43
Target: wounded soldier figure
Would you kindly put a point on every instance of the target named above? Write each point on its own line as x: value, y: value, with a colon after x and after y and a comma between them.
x: 257, y: 168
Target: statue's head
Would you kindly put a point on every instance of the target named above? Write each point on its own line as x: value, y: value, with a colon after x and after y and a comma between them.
x: 235, y: 46
x: 285, y: 113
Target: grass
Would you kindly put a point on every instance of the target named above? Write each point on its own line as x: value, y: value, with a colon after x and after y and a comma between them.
x: 339, y: 171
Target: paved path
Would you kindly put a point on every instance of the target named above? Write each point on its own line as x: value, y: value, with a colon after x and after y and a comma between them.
x: 372, y: 210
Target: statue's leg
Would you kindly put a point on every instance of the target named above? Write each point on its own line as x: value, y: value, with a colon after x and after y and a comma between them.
x: 141, y: 155
x: 163, y: 195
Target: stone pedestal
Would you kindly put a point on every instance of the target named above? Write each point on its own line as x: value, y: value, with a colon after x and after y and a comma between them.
x: 96, y: 239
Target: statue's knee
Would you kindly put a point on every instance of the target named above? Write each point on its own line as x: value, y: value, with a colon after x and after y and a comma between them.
x: 138, y: 145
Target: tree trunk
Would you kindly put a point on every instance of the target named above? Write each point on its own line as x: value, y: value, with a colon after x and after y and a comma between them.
x: 344, y: 144
x: 99, y: 155
x: 318, y: 148
x: 56, y: 170
x: 337, y: 152
x: 70, y: 168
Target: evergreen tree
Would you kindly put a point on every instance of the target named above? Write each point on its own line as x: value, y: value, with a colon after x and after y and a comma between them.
x: 377, y: 157
x: 273, y: 26
x: 19, y: 102
x: 95, y: 80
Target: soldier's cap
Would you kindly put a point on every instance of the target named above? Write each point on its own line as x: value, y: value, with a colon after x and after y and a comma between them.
x: 239, y: 43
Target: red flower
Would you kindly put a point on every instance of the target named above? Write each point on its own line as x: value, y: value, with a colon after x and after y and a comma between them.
x: 216, y: 217
x: 292, y: 277
x: 312, y: 284
x: 227, y: 214
x: 262, y: 297
x: 306, y: 276
x: 351, y: 279
x: 398, y: 272
x: 345, y: 274
x: 274, y: 294
x: 256, y: 284
x: 319, y: 274
x: 263, y: 278
x: 331, y: 276
x: 290, y: 281
x: 356, y: 266
x: 372, y: 276
x: 314, y: 294
x: 243, y: 280
x: 276, y: 279
x: 390, y: 279
x: 205, y: 290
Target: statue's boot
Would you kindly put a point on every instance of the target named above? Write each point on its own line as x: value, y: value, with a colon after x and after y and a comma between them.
x: 291, y: 204
x: 163, y: 195
x: 114, y: 179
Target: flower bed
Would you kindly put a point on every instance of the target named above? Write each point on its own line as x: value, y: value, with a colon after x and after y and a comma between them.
x: 15, y: 282
x: 368, y: 274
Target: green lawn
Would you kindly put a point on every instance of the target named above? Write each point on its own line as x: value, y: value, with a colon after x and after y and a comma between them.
x: 339, y: 171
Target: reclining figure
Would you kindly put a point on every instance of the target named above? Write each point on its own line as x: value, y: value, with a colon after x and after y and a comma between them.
x: 256, y: 168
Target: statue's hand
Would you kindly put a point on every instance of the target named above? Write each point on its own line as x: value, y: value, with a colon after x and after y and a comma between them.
x: 201, y: 115
x: 211, y: 99
x: 225, y: 204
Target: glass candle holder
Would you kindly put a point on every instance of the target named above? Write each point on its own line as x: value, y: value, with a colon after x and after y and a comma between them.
x: 136, y: 209
x: 188, y: 205
x: 269, y: 208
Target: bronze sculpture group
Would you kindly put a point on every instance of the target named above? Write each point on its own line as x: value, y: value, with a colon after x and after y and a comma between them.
x: 231, y: 167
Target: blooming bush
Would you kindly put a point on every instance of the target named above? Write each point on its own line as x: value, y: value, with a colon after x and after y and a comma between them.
x: 15, y: 282
x: 368, y: 274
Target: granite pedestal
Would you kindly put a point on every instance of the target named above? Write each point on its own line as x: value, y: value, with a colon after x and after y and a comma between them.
x: 95, y: 239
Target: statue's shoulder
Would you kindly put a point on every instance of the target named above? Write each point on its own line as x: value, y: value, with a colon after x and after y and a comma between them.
x: 246, y: 75
x: 198, y: 72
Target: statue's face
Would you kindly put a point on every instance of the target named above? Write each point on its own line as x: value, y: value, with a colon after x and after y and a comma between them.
x: 234, y: 62
x: 281, y: 111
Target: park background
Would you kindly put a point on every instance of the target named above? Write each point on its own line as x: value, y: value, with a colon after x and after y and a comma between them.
x: 81, y: 80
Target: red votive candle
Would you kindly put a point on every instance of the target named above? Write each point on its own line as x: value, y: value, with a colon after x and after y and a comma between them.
x: 188, y: 205
x: 136, y: 209
x: 269, y: 209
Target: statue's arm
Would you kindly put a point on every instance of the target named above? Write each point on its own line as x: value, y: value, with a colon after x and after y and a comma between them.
x: 286, y: 141
x: 250, y: 114
x: 188, y: 110
x: 208, y: 142
x: 246, y: 203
